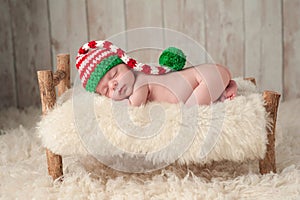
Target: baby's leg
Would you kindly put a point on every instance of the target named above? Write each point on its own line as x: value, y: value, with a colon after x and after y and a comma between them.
x: 200, y: 96
x: 212, y: 79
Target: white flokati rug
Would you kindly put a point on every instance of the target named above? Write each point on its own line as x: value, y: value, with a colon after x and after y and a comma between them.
x: 23, y: 170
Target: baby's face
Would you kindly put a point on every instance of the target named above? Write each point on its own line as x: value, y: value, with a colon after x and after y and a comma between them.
x: 117, y: 83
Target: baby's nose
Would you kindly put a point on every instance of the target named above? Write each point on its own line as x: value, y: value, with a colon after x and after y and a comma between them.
x: 113, y: 84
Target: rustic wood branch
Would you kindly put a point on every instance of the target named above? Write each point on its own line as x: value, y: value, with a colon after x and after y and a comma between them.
x: 47, y: 90
x: 250, y: 79
x: 55, y: 167
x: 268, y: 164
x: 47, y: 83
x: 48, y: 98
x: 58, y: 76
x: 63, y: 64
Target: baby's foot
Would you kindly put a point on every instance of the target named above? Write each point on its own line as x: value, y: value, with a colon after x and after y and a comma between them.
x: 230, y: 91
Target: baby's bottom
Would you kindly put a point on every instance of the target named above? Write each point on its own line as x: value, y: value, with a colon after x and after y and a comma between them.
x: 214, y: 85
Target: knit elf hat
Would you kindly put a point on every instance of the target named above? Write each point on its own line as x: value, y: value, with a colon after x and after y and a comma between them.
x: 96, y: 58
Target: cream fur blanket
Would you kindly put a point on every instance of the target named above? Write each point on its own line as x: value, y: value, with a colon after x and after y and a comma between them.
x: 85, y: 123
x: 23, y: 169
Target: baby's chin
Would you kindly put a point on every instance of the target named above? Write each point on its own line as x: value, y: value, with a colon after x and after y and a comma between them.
x: 126, y: 95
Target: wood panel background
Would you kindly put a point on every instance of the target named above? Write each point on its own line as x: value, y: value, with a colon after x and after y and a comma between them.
x: 252, y: 37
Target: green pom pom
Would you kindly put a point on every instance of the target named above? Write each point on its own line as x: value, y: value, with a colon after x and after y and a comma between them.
x: 173, y: 58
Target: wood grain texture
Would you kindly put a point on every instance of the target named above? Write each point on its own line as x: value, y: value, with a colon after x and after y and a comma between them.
x: 7, y: 73
x: 48, y: 100
x: 63, y: 65
x: 186, y: 17
x: 55, y: 165
x: 58, y: 76
x: 268, y: 163
x: 30, y: 27
x: 224, y: 33
x: 263, y: 43
x: 106, y: 20
x: 47, y: 90
x: 291, y: 59
x: 145, y: 43
x: 253, y: 38
x: 251, y: 79
x: 68, y: 29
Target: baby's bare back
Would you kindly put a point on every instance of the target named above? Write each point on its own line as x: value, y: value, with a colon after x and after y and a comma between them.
x: 173, y: 87
x: 202, y: 84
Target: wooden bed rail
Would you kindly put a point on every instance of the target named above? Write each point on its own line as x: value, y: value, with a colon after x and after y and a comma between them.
x: 47, y: 82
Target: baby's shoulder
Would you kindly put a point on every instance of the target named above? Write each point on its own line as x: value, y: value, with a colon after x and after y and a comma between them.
x: 141, y: 79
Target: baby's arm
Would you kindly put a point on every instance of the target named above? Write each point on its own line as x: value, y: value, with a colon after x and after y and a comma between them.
x: 139, y: 96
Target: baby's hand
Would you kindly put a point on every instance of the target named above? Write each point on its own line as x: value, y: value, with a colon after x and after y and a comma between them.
x: 139, y: 96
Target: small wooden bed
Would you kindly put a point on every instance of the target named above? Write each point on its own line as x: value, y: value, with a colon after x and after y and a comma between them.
x: 61, y: 79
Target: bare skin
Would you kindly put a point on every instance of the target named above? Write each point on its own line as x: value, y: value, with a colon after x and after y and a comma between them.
x: 200, y: 85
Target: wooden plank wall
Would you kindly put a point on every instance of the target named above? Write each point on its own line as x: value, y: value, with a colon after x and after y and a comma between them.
x: 251, y: 37
x: 291, y: 50
x: 8, y: 95
x: 263, y: 43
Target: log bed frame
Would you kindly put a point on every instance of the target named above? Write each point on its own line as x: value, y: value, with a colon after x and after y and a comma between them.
x: 61, y: 78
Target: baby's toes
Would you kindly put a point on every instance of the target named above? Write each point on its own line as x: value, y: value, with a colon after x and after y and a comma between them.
x: 223, y: 97
x: 231, y: 94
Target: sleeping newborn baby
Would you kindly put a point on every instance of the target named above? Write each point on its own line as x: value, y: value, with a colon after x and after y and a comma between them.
x: 108, y: 71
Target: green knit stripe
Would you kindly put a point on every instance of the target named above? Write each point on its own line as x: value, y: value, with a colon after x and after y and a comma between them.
x: 101, y: 69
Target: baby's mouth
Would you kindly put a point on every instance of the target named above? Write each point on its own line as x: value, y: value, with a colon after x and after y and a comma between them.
x: 121, y: 89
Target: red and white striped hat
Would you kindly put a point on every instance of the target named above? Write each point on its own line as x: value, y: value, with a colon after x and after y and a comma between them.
x: 96, y: 58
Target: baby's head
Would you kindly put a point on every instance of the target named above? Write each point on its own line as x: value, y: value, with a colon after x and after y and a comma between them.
x: 117, y: 83
x: 107, y: 70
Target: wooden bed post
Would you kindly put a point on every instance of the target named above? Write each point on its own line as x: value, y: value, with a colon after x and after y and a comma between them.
x: 251, y: 79
x: 47, y: 82
x: 268, y: 164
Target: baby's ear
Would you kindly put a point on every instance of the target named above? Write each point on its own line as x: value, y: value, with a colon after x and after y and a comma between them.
x: 97, y: 90
x: 129, y: 67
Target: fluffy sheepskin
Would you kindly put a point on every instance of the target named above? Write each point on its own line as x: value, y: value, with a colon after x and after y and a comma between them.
x: 84, y: 123
x: 23, y: 169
